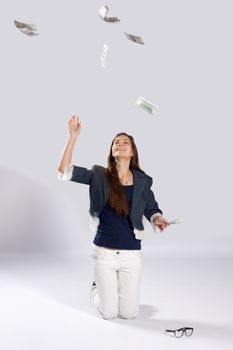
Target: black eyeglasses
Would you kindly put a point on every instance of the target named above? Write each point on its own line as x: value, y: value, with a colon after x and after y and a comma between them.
x: 188, y: 331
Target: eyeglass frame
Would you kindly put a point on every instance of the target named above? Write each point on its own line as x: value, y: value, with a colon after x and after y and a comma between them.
x: 183, y: 329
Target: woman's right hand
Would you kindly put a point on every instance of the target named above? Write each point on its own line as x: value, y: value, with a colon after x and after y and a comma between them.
x: 74, y: 125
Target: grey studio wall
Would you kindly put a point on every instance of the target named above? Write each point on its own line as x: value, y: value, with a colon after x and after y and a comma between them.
x: 185, y: 67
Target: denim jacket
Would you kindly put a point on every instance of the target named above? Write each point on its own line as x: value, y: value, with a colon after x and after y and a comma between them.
x: 143, y: 200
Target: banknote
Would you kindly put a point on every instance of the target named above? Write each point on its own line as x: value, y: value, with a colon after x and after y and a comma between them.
x: 146, y: 105
x: 134, y: 38
x: 104, y: 55
x: 28, y: 32
x: 103, y: 14
x: 25, y: 28
x: 20, y: 25
x: 175, y: 221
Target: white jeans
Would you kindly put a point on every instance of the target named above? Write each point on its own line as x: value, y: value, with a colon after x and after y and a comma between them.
x: 117, y: 276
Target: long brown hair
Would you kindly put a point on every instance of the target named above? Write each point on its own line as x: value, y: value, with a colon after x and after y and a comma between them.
x: 117, y: 199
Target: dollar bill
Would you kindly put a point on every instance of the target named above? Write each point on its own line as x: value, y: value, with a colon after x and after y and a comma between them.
x: 175, y: 221
x: 103, y: 14
x: 28, y: 32
x: 104, y: 55
x: 25, y: 28
x: 20, y: 25
x: 146, y: 105
x: 134, y: 38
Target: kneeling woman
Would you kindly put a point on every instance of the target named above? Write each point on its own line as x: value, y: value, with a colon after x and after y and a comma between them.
x: 119, y: 197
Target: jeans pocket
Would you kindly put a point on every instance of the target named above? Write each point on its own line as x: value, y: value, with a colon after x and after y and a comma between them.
x: 97, y: 255
x: 136, y: 254
x: 94, y: 255
x: 133, y: 256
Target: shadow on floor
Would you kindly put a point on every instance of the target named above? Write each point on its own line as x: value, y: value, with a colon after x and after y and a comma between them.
x: 148, y: 321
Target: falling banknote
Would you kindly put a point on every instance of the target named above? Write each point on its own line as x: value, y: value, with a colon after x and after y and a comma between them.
x: 134, y: 38
x: 103, y: 12
x: 146, y: 105
x: 104, y: 55
x: 28, y: 29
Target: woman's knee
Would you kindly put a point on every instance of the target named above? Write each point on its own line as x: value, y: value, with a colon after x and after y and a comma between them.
x: 109, y: 315
x: 109, y: 312
x: 130, y: 314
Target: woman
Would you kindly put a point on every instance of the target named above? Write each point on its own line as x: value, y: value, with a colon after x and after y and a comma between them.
x: 119, y: 197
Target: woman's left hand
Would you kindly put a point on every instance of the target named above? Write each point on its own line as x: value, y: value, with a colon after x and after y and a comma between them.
x: 161, y: 222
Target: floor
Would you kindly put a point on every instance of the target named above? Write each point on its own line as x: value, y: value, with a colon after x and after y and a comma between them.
x: 44, y: 304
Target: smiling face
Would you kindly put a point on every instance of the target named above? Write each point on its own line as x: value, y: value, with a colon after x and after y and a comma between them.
x: 122, y: 147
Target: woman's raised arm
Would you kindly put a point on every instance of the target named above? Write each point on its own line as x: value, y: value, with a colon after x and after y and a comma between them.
x: 74, y: 125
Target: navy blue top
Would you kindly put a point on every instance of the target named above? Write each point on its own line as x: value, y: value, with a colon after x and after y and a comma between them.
x: 116, y: 231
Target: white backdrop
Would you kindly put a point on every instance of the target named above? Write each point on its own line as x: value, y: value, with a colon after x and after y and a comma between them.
x: 185, y: 67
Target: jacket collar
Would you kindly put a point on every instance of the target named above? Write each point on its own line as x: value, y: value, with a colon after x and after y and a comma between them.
x: 137, y: 173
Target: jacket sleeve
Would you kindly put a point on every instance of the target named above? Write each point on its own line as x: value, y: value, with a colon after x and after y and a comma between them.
x: 81, y: 175
x: 77, y: 174
x: 151, y: 206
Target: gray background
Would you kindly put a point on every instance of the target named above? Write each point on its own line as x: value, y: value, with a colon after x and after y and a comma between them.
x: 185, y: 67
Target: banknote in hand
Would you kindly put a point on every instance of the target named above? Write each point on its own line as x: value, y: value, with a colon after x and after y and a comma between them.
x: 175, y: 221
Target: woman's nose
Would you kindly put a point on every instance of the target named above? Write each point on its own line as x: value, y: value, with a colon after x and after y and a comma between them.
x: 118, y: 146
